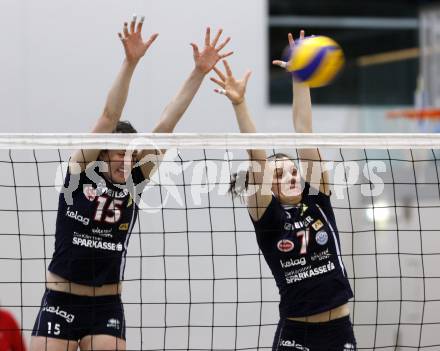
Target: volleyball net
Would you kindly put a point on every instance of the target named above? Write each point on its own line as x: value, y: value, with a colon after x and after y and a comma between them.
x: 195, y: 278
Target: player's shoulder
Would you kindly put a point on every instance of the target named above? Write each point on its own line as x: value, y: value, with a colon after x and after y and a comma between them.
x: 272, y: 214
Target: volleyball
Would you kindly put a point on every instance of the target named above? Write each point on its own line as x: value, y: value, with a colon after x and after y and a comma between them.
x: 316, y: 61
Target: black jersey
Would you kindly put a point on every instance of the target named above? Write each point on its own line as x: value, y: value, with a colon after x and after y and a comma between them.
x: 301, y: 246
x: 93, y: 230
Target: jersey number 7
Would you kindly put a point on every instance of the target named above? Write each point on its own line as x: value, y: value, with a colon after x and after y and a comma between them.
x: 304, y: 234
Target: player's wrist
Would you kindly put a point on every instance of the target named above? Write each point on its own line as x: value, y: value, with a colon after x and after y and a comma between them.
x: 131, y: 63
x: 238, y: 102
x: 198, y: 72
x: 299, y: 87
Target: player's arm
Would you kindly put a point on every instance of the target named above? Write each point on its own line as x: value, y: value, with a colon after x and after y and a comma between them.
x: 135, y: 48
x: 204, y: 61
x: 235, y: 90
x: 311, y: 161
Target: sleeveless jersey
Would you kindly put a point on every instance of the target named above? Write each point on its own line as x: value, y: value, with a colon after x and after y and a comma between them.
x: 92, y: 232
x: 301, y: 246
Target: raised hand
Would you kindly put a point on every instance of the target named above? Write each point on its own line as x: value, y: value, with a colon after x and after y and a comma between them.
x: 283, y: 64
x: 132, y: 41
x: 234, y: 89
x: 206, y: 59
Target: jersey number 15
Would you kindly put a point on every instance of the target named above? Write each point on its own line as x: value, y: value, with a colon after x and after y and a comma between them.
x: 108, y: 210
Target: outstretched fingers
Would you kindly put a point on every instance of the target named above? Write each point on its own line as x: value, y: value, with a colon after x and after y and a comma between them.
x: 123, y: 40
x: 227, y: 68
x: 279, y: 63
x: 221, y: 91
x: 133, y: 23
x: 151, y: 40
x: 135, y: 26
x: 208, y: 36
x: 247, y: 75
x: 217, y: 37
x: 196, y: 51
x: 220, y: 74
x: 291, y: 41
x: 226, y: 55
x: 125, y: 30
x: 140, y: 25
x: 222, y: 45
x: 218, y: 82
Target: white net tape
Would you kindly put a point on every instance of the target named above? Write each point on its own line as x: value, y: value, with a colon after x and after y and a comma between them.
x: 220, y: 141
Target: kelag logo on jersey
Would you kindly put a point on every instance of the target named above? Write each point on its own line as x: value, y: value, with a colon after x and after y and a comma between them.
x: 77, y: 217
x: 285, y: 245
x: 56, y: 310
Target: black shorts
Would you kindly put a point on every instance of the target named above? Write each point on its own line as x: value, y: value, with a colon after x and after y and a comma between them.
x: 335, y: 335
x: 72, y: 317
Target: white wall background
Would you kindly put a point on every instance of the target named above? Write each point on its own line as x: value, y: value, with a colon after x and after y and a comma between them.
x: 59, y: 59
